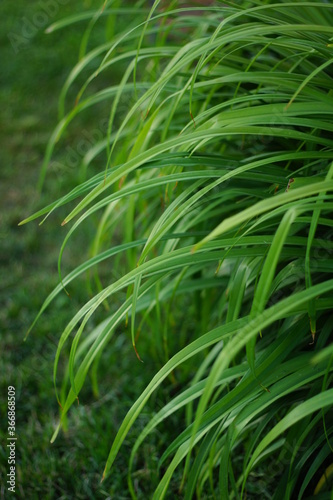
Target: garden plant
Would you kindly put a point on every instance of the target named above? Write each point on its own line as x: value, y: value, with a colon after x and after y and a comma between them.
x: 210, y: 189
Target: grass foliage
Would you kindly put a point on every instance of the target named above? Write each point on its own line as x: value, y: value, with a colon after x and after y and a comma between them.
x: 212, y: 202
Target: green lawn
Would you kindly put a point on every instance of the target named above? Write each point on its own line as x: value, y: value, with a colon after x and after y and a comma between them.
x: 206, y: 245
x: 32, y: 73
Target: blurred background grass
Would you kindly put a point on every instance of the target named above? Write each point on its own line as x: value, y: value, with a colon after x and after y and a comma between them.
x: 33, y: 68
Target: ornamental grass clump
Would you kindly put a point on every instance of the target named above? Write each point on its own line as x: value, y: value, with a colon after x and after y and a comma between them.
x: 212, y: 188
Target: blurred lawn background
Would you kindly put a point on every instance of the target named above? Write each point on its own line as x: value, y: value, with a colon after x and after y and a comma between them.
x: 34, y: 67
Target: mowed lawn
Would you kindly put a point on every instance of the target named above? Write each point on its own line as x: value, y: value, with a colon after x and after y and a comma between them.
x: 34, y: 66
